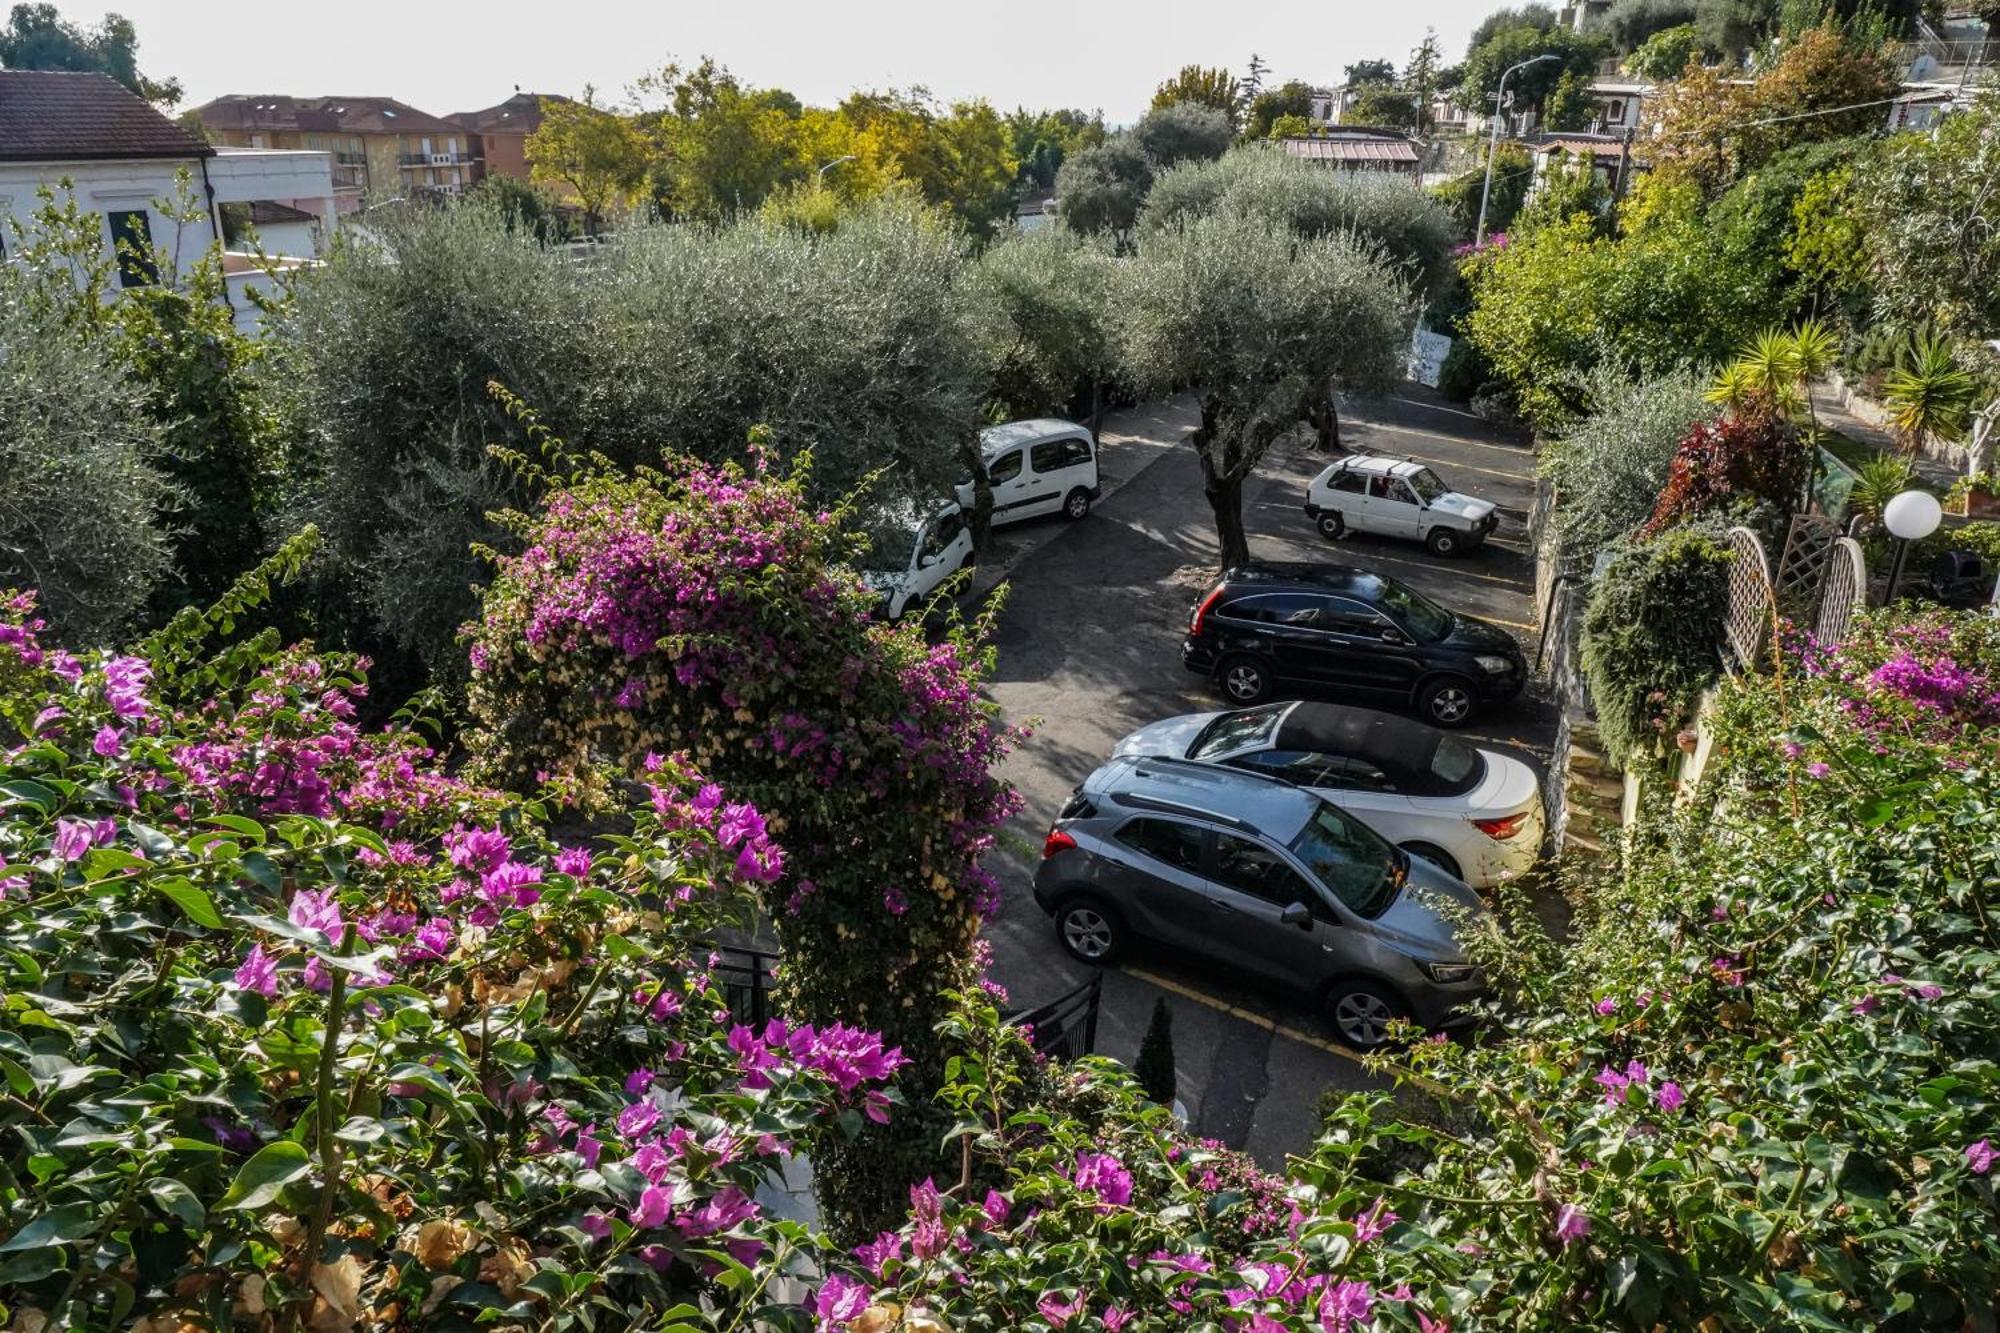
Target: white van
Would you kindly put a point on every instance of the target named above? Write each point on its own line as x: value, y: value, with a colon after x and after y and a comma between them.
x: 1037, y: 467
x: 909, y: 561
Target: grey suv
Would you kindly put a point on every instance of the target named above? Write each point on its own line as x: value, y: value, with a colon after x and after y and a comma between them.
x: 1263, y: 877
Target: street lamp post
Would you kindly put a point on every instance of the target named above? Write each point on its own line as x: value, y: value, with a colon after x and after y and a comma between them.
x: 1493, y: 143
x: 1910, y: 517
x: 831, y: 165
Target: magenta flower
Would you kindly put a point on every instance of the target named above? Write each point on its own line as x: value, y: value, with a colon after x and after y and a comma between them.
x: 72, y: 839
x: 1115, y: 1317
x: 1606, y: 1007
x: 574, y: 862
x: 1979, y: 1157
x: 1056, y: 1310
x: 1818, y: 770
x: 1670, y: 1096
x: 1572, y: 1223
x: 653, y: 1207
x: 1930, y: 991
x: 258, y: 972
x: 108, y: 742
x: 878, y: 1253
x: 595, y: 1225
x: 638, y: 1081
x: 1104, y: 1176
x: 1866, y: 1005
x: 316, y: 911
x: 995, y: 1208
x: 839, y: 1301
x: 1375, y: 1222
x: 1345, y: 1305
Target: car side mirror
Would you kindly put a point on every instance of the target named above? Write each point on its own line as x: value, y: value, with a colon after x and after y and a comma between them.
x: 1393, y: 636
x: 926, y: 561
x: 1298, y: 914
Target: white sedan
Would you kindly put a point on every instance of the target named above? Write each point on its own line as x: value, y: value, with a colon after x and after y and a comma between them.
x: 1471, y: 812
x: 909, y: 560
x: 1395, y: 497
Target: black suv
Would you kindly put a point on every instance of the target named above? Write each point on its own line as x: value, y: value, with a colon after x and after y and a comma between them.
x: 1340, y: 629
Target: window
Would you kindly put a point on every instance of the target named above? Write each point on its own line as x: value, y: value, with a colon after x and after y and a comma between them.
x: 1399, y: 491
x: 1423, y: 619
x: 941, y: 534
x: 1175, y: 844
x: 1341, y: 616
x: 1429, y: 485
x: 1361, y: 775
x: 132, y: 241
x: 1350, y: 483
x: 1233, y: 730
x: 1051, y: 455
x: 1378, y: 487
x: 1363, y: 871
x: 1006, y: 469
x: 1257, y: 870
x: 1299, y: 610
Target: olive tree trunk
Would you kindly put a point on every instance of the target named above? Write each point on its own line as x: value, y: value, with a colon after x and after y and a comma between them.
x: 1222, y: 484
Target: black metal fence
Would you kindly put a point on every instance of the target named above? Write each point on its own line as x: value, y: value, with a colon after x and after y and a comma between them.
x: 746, y: 977
x: 1065, y: 1027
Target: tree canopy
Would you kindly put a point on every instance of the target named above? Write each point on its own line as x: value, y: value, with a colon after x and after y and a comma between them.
x: 38, y: 37
x: 1215, y: 87
x: 1101, y: 188
x: 1183, y: 132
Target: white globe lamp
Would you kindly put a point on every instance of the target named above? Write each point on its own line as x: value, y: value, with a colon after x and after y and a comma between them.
x: 1910, y: 517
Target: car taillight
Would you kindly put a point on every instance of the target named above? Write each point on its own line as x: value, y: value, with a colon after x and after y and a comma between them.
x: 1057, y: 841
x: 1201, y: 612
x: 1501, y: 829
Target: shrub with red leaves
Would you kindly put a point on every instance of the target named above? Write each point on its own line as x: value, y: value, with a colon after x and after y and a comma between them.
x: 1747, y: 456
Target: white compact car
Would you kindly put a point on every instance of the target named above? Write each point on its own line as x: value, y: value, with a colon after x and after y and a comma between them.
x: 908, y: 560
x: 1473, y: 813
x: 1037, y: 467
x: 1397, y: 498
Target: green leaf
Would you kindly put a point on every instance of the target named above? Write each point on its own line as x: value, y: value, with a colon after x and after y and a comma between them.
x: 260, y: 868
x: 59, y: 1226
x: 30, y: 793
x: 177, y: 1201
x: 360, y: 1129
x: 259, y: 1182
x: 199, y: 907
x: 249, y: 828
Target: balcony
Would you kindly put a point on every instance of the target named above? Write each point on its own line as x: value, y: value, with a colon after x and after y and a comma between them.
x: 410, y: 160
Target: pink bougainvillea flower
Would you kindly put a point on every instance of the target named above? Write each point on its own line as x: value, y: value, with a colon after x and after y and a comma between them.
x: 574, y: 862
x: 652, y: 1209
x: 1606, y: 1007
x: 595, y: 1225
x: 1106, y: 1177
x: 1818, y: 770
x: 1345, y: 1305
x: 1426, y: 1324
x: 929, y: 1235
x: 1572, y: 1223
x: 1979, y: 1157
x: 108, y: 742
x: 1929, y: 991
x: 1373, y: 1223
x: 638, y: 1081
x: 72, y: 839
x: 1115, y: 1317
x: 839, y: 1301
x: 318, y: 911
x: 258, y: 972
x: 1670, y: 1096
x: 1866, y: 1005
x: 1057, y: 1310
x: 876, y: 1255
x: 996, y: 1208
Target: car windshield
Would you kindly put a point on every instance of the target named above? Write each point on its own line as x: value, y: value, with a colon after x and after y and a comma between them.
x: 1425, y: 620
x: 1428, y: 486
x: 1364, y: 871
x: 1457, y: 765
x: 1234, y: 731
x: 890, y: 543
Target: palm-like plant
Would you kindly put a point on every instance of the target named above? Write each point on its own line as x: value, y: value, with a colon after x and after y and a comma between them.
x: 1880, y: 480
x: 1777, y: 368
x: 1736, y: 387
x: 1929, y: 393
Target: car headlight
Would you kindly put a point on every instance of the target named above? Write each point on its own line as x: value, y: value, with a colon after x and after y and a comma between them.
x: 1492, y: 662
x: 1447, y: 974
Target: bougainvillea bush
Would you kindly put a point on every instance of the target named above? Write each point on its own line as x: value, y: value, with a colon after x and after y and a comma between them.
x: 714, y: 610
x: 1757, y: 1089
x: 301, y: 1031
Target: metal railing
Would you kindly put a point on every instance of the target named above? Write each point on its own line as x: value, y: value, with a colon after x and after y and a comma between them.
x: 746, y: 976
x: 1065, y: 1027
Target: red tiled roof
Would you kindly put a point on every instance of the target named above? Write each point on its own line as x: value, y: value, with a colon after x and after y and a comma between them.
x: 1353, y: 149
x: 58, y: 116
x: 519, y: 114
x: 320, y: 115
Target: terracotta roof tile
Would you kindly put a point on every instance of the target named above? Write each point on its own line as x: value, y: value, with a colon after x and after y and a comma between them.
x: 58, y: 116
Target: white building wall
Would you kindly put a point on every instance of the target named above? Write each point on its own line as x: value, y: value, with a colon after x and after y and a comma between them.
x: 107, y: 187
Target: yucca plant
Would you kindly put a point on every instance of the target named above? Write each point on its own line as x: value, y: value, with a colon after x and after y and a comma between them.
x: 1880, y: 480
x: 1929, y: 393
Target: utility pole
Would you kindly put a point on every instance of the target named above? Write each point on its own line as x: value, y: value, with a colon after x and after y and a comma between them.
x: 1493, y: 144
x: 1624, y: 166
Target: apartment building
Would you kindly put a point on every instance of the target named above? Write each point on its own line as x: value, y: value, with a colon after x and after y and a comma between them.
x: 381, y: 148
x: 500, y: 133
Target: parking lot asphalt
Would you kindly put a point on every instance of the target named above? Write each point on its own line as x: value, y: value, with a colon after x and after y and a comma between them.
x: 1088, y: 644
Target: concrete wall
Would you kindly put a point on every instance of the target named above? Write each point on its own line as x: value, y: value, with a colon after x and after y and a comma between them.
x: 104, y: 187
x: 505, y: 154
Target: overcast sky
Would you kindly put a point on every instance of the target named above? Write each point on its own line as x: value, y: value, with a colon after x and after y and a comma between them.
x: 458, y: 55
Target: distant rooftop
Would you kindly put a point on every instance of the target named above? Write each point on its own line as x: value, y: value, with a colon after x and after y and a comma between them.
x: 519, y: 114
x: 1379, y: 146
x: 58, y: 116
x: 320, y: 115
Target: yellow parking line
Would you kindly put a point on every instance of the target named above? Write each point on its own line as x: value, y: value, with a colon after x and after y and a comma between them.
x: 1455, y: 571
x: 1507, y: 740
x: 1447, y: 439
x: 1270, y: 1025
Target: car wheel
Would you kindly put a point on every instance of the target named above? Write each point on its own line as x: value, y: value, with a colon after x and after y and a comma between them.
x: 1090, y: 931
x: 1446, y: 701
x: 1361, y: 1011
x: 1076, y: 504
x: 1443, y: 541
x: 1244, y: 680
x: 1331, y: 525
x: 1437, y: 856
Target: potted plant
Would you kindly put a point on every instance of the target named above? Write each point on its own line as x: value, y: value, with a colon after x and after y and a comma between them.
x: 1974, y: 496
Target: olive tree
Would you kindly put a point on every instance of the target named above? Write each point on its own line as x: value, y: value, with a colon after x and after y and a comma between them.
x: 1261, y: 183
x: 1263, y: 325
x: 1100, y: 188
x: 1182, y: 132
x: 1044, y: 301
